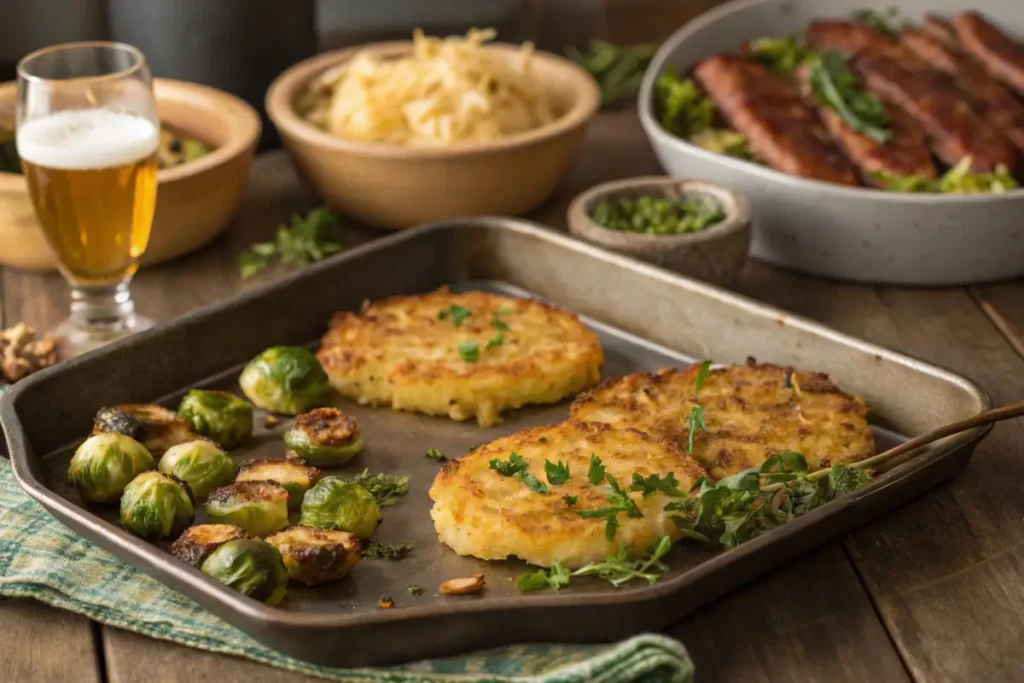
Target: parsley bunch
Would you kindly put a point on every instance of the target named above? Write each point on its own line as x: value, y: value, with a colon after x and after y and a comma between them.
x: 307, y: 240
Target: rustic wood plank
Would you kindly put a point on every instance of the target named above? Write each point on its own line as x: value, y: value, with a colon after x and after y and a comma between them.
x: 42, y: 643
x: 946, y: 572
x: 809, y: 621
x: 1004, y: 305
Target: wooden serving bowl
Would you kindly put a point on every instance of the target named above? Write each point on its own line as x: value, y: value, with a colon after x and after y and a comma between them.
x: 195, y: 201
x: 397, y: 186
x: 715, y: 255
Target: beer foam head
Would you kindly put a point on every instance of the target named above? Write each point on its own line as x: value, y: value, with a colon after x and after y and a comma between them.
x: 78, y: 139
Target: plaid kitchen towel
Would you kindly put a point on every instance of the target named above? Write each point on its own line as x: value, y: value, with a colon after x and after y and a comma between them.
x: 41, y: 559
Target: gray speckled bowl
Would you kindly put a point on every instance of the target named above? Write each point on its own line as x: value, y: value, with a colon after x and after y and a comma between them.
x: 849, y: 233
x: 715, y: 254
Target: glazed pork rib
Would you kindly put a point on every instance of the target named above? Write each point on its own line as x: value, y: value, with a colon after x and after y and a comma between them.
x: 938, y: 28
x: 781, y: 129
x: 994, y: 101
x: 905, y: 153
x: 1002, y: 56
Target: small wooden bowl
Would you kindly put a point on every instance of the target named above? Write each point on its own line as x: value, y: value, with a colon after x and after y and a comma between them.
x: 195, y: 201
x: 715, y: 254
x: 397, y: 186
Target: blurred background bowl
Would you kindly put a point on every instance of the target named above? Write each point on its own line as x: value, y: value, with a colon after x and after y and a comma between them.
x: 393, y: 186
x: 195, y: 200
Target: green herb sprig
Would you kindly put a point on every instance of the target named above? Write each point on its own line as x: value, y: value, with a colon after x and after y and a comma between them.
x: 469, y: 351
x: 618, y: 502
x: 458, y: 314
x: 386, y: 489
x: 835, y: 86
x: 306, y: 240
x: 695, y: 421
x: 517, y: 468
x: 556, y: 472
x: 616, y: 570
x: 436, y: 455
x: 379, y: 550
x: 618, y: 70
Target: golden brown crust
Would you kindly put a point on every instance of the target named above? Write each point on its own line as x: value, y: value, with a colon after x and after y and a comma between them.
x: 315, y: 556
x: 404, y: 352
x: 155, y: 427
x: 328, y: 427
x: 751, y: 412
x: 280, y: 471
x: 249, y: 490
x: 197, y: 542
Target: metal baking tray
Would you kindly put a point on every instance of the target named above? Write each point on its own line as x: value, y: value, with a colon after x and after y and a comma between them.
x: 646, y: 317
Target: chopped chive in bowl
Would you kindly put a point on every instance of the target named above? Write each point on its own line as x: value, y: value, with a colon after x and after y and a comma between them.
x: 657, y: 215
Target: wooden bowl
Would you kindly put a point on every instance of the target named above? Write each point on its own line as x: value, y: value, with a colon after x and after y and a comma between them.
x: 715, y: 254
x: 195, y: 201
x: 397, y: 186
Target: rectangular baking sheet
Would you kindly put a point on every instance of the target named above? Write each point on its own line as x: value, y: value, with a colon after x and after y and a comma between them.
x: 646, y: 319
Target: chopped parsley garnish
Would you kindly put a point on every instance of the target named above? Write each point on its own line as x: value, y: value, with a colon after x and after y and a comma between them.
x: 435, y: 455
x: 457, y: 313
x: 474, y: 447
x: 516, y: 467
x: 596, y: 472
x: 570, y: 500
x: 379, y: 550
x: 495, y: 341
x: 415, y: 590
x: 696, y: 419
x: 307, y: 239
x: 557, y: 474
x: 653, y: 484
x: 499, y: 325
x: 618, y: 501
x: 385, y: 488
x: 469, y: 351
x: 616, y: 570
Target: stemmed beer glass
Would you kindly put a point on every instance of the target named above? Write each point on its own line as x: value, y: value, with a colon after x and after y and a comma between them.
x: 87, y: 135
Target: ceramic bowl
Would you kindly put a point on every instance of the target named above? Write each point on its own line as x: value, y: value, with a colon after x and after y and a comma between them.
x: 715, y: 254
x: 393, y: 186
x: 195, y: 201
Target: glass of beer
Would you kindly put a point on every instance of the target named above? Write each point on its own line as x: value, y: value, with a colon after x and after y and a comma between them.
x: 87, y: 134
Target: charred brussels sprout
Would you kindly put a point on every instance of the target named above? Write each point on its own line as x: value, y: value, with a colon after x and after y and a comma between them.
x: 337, y: 504
x: 315, y: 556
x: 259, y: 507
x: 220, y: 415
x: 155, y: 427
x: 197, y: 542
x: 201, y: 464
x: 105, y: 463
x: 295, y: 477
x: 325, y: 437
x: 251, y: 567
x: 285, y: 379
x: 156, y: 505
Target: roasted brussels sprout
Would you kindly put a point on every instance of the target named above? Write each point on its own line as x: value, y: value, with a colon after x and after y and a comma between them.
x: 259, y: 507
x: 200, y: 463
x: 295, y: 477
x: 220, y: 415
x: 156, y: 505
x: 197, y: 542
x: 155, y: 427
x: 315, y: 556
x: 338, y: 504
x: 105, y: 463
x: 251, y: 567
x: 325, y: 437
x: 285, y: 379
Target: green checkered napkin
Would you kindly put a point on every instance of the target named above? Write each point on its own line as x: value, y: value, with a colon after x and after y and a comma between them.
x: 41, y: 559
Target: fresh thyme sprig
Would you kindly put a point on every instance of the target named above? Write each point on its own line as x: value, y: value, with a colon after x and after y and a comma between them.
x: 695, y: 420
x: 306, y: 240
x: 616, y: 570
x: 385, y: 488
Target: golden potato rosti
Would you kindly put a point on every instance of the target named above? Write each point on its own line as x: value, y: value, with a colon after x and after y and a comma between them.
x: 464, y: 355
x: 751, y: 411
x: 483, y: 513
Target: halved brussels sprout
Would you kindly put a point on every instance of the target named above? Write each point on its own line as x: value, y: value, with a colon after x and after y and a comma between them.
x: 156, y: 505
x: 315, y: 556
x: 200, y: 463
x: 251, y: 567
x: 259, y: 507
x: 220, y: 415
x: 155, y: 427
x: 197, y: 542
x: 285, y: 379
x: 295, y: 477
x: 338, y: 504
x: 325, y: 437
x: 105, y: 463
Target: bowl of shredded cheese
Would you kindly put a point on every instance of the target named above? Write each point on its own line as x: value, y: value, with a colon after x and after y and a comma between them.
x: 401, y: 133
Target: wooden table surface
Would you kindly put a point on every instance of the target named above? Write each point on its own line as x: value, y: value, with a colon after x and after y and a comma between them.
x: 933, y: 592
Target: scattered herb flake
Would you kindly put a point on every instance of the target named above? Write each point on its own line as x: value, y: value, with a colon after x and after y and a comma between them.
x: 652, y: 484
x: 495, y: 341
x: 570, y: 500
x: 306, y: 240
x: 618, y: 501
x: 469, y: 351
x: 596, y: 472
x: 457, y: 313
x: 556, y: 577
x: 499, y: 325
x: 379, y: 550
x: 435, y: 455
x: 517, y: 468
x: 415, y: 590
x: 557, y: 474
x: 385, y: 488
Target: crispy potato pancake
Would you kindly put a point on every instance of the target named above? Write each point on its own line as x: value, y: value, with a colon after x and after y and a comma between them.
x: 480, y: 512
x: 751, y: 411
x: 462, y: 355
